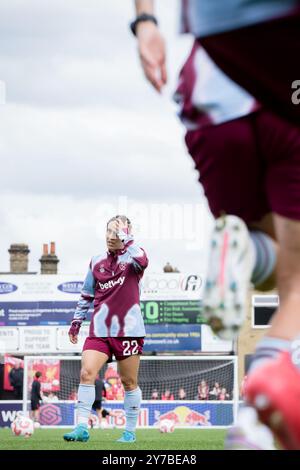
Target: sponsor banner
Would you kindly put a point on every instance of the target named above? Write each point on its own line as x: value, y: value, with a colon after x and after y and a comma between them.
x: 37, y: 313
x: 9, y: 339
x: 36, y: 300
x: 61, y: 313
x: 171, y: 311
x: 197, y: 414
x: 212, y: 343
x: 167, y: 338
x: 44, y: 287
x: 175, y: 286
x: 190, y: 414
x: 7, y: 288
x: 9, y: 411
x: 57, y: 414
x: 67, y: 287
x: 37, y: 340
x: 160, y: 338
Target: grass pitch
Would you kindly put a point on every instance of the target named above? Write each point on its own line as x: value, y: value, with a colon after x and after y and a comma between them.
x: 105, y: 439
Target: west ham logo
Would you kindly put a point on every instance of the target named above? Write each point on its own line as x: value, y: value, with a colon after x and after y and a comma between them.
x: 101, y: 269
x: 122, y: 266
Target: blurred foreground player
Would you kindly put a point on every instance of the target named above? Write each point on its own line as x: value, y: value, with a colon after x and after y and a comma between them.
x: 271, y: 205
x: 117, y: 326
x: 255, y: 43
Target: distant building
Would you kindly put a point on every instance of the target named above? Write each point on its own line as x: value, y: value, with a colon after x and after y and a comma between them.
x: 168, y: 268
x: 49, y: 261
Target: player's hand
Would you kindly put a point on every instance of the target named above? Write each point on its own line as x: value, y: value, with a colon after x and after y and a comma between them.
x: 151, y: 46
x: 120, y: 228
x: 74, y: 331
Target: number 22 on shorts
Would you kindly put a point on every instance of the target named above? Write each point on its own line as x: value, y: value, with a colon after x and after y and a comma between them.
x: 130, y: 347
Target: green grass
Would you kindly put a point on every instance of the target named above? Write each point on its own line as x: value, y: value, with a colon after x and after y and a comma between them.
x: 147, y: 439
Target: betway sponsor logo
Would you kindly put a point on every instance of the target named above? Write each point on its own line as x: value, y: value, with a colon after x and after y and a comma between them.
x: 110, y: 284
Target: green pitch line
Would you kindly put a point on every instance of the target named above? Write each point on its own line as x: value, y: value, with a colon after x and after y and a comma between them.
x: 103, y: 439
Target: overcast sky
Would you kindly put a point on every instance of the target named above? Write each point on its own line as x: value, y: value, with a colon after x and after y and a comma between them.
x: 83, y: 136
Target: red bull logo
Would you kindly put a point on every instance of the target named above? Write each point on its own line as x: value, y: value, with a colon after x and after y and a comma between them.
x: 185, y: 416
x: 198, y: 419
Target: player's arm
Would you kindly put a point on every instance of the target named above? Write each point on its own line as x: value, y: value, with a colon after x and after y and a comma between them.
x: 151, y: 46
x: 138, y: 255
x: 83, y: 305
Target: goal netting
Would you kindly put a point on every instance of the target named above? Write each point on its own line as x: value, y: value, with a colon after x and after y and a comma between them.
x: 193, y: 391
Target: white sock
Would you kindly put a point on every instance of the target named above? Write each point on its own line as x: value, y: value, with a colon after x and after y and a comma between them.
x: 132, y: 404
x: 86, y: 398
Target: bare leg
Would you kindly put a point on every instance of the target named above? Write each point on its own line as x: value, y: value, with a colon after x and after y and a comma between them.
x: 128, y: 370
x: 35, y: 415
x: 91, y: 362
x: 99, y: 414
x: 286, y: 321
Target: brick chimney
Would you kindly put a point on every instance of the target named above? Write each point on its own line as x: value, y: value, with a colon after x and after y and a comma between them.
x: 168, y: 268
x: 18, y: 258
x: 49, y: 261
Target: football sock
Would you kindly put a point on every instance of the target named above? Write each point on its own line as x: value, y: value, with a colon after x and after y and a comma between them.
x: 86, y: 398
x: 265, y: 256
x: 132, y: 403
x: 268, y: 348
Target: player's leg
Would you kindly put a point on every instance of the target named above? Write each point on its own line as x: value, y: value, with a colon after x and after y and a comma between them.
x: 232, y: 174
x: 37, y: 414
x: 35, y: 411
x: 94, y: 408
x: 286, y: 321
x: 92, y: 362
x: 99, y: 415
x: 274, y: 384
x: 271, y: 371
x: 128, y: 370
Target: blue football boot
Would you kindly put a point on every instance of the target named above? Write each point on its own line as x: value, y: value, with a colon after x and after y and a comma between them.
x: 127, y: 437
x: 80, y: 434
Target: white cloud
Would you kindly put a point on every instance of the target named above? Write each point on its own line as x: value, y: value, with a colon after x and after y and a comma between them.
x: 81, y: 127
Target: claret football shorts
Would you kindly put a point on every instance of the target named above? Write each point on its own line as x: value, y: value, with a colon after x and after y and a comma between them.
x: 121, y: 348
